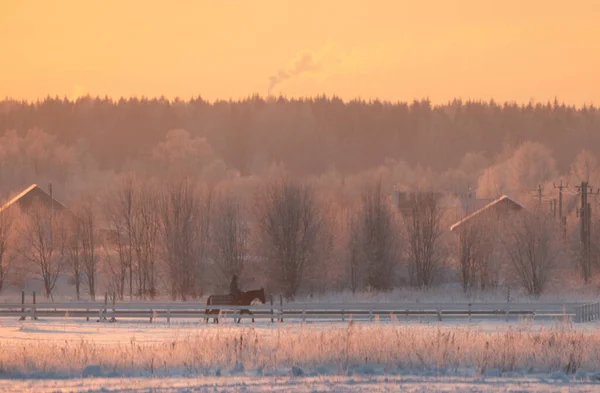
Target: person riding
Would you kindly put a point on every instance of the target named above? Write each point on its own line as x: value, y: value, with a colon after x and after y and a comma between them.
x: 234, y: 289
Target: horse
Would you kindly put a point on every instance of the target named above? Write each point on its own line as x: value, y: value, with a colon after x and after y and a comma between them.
x: 244, y: 299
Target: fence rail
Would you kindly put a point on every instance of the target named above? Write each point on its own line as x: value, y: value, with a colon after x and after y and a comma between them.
x: 587, y: 312
x: 103, y: 311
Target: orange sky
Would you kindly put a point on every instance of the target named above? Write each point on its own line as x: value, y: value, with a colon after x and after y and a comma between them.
x: 395, y: 50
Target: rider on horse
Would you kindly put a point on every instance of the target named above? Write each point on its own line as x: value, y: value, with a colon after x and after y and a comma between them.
x: 234, y: 290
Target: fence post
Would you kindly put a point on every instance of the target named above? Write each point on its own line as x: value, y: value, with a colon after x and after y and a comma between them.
x: 272, y: 321
x: 370, y: 316
x: 281, y: 307
x: 587, y: 312
x: 169, y: 315
x: 469, y: 312
x: 151, y: 315
x: 304, y: 314
x: 33, y: 308
x: 22, y: 318
x: 343, y: 315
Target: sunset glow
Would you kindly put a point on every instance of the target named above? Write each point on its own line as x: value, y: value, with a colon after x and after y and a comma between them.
x: 393, y: 50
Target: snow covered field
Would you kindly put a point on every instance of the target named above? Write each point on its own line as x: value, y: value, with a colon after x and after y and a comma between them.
x: 187, y: 356
x: 355, y: 384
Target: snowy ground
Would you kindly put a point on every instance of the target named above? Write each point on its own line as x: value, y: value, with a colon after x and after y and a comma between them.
x: 14, y: 332
x: 304, y: 384
x: 46, y: 356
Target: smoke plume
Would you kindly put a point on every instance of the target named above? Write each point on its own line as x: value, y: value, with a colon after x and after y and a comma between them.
x: 303, y: 63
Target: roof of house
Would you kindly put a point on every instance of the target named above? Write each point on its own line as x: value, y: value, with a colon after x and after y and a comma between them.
x: 31, y: 190
x: 486, y: 207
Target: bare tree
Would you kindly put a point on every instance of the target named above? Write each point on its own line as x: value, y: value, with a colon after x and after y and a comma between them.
x: 423, y: 230
x: 372, y: 245
x: 531, y: 244
x: 355, y: 256
x: 290, y: 224
x: 144, y: 239
x: 118, y: 209
x: 44, y: 243
x: 467, y: 257
x: 75, y: 257
x: 6, y: 238
x: 180, y: 215
x: 229, y: 238
x: 475, y: 256
x: 82, y: 245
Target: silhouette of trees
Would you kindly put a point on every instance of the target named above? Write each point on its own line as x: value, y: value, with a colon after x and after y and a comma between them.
x: 229, y: 239
x: 532, y: 247
x: 82, y: 244
x: 182, y: 213
x: 373, y: 243
x: 45, y: 138
x: 290, y: 229
x: 423, y: 224
x: 477, y: 266
x: 44, y: 243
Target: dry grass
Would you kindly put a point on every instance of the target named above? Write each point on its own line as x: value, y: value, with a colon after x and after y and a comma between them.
x: 556, y: 348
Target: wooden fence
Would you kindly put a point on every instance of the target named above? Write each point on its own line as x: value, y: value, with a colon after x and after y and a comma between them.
x: 280, y: 311
x: 587, y: 312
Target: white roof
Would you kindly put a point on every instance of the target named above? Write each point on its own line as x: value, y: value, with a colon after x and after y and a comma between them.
x: 22, y: 194
x: 491, y: 204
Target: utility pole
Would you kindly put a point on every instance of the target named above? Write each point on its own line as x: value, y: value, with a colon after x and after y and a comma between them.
x: 586, y: 226
x: 562, y: 220
x: 560, y: 197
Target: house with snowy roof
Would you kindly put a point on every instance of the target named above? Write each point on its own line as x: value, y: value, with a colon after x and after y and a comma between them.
x: 32, y: 195
x: 494, y: 212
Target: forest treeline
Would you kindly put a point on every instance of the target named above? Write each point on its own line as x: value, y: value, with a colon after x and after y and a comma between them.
x: 173, y: 197
x: 306, y: 136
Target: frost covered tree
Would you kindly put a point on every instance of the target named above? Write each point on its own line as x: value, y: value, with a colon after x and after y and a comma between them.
x: 44, y: 242
x: 373, y: 242
x: 83, y: 258
x: 184, y: 217
x: 532, y: 247
x: 229, y: 238
x: 423, y: 226
x: 290, y: 230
